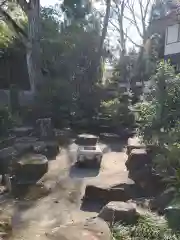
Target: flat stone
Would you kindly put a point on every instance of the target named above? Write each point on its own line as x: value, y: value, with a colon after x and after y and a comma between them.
x: 92, y: 229
x: 105, y: 194
x: 30, y: 168
x: 119, y: 211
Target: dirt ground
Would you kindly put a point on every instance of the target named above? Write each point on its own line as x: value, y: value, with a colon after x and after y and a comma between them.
x: 64, y: 187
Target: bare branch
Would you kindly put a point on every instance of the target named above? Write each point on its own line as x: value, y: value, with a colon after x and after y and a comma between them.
x: 117, y: 6
x: 131, y: 8
x: 141, y: 9
x: 137, y: 45
x: 142, y: 18
x: 146, y: 9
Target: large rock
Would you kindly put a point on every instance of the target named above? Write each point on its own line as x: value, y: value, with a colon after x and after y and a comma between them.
x: 162, y: 201
x: 172, y: 214
x: 148, y: 180
x: 104, y: 194
x: 92, y: 229
x: 119, y: 212
x: 137, y: 159
x: 30, y: 168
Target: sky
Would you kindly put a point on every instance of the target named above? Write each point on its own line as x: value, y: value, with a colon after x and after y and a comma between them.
x: 48, y: 2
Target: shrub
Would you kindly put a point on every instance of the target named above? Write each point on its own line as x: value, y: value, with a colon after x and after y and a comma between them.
x: 147, y: 228
x: 118, y: 111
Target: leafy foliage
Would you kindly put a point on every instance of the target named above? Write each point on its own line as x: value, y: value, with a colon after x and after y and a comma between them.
x: 5, y: 35
x: 76, y: 9
x: 161, y: 113
x: 147, y: 228
x: 159, y: 120
x: 70, y: 93
x: 118, y: 111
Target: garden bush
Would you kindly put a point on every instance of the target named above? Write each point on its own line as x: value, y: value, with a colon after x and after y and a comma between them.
x: 159, y: 119
x: 147, y: 228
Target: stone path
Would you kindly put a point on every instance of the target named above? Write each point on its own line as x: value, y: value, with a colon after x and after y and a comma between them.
x: 66, y: 185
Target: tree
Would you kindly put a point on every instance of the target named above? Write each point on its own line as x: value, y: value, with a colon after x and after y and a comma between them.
x: 76, y: 9
x: 98, y: 61
x: 160, y: 119
x: 31, y: 39
x: 70, y: 92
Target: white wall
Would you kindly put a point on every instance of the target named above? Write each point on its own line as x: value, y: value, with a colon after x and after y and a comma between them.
x: 172, y: 40
x: 172, y: 48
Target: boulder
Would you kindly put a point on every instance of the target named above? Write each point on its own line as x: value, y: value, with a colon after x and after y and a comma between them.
x: 137, y: 159
x: 148, y: 180
x: 30, y: 168
x: 119, y: 212
x: 104, y: 194
x: 172, y: 214
x: 131, y: 147
x: 162, y: 201
x: 91, y: 229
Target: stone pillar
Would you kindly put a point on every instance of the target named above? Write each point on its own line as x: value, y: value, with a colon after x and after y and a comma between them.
x: 44, y: 128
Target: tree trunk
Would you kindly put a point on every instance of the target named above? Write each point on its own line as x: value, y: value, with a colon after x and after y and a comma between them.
x: 30, y: 68
x: 103, y: 36
x: 121, y: 28
x: 33, y: 47
x: 105, y: 25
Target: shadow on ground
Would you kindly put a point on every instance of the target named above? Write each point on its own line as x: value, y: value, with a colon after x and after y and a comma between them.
x: 76, y: 172
x: 92, y: 206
